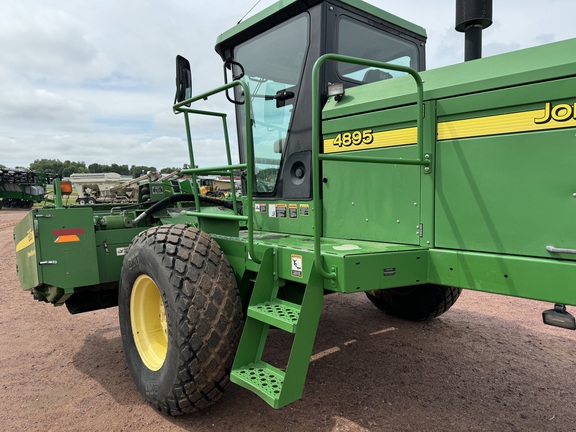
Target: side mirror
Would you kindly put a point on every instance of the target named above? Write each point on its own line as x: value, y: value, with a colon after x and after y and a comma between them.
x: 183, y: 80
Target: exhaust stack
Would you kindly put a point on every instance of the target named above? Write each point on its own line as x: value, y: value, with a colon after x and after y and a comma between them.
x: 473, y: 16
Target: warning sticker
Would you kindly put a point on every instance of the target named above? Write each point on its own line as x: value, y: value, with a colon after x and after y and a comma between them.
x: 293, y: 211
x: 281, y: 210
x: 121, y: 251
x: 296, y: 265
x: 304, y: 209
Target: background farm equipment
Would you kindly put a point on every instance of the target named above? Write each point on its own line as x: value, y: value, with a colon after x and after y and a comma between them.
x: 20, y: 188
x: 95, y: 188
x: 216, y: 186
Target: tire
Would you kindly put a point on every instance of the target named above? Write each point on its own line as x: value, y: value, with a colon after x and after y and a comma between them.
x: 81, y: 201
x: 415, y: 303
x: 180, y: 317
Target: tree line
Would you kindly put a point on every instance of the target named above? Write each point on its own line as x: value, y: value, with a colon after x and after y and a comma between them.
x: 66, y: 168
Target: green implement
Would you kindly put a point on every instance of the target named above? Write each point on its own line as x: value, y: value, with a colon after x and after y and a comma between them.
x: 360, y: 171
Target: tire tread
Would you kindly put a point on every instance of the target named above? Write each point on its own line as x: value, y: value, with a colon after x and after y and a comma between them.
x: 208, y: 314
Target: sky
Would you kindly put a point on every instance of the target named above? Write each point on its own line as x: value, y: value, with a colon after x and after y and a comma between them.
x: 93, y: 81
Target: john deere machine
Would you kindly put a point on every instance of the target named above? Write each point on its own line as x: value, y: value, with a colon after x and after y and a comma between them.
x: 362, y: 172
x: 20, y: 187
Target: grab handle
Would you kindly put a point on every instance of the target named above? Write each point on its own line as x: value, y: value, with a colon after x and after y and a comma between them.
x: 560, y: 250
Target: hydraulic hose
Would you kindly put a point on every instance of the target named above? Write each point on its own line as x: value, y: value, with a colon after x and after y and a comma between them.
x: 173, y: 199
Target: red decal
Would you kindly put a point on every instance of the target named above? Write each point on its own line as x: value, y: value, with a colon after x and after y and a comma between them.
x: 70, y: 231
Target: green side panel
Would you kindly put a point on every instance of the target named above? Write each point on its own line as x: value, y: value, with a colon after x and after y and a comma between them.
x: 111, y: 246
x: 224, y: 227
x: 534, y: 278
x: 391, y: 119
x: 373, y: 201
x: 66, y: 250
x: 502, y: 101
x: 385, y: 270
x: 362, y: 265
x: 26, y: 252
x: 290, y: 217
x: 235, y: 251
x: 510, y: 193
x: 20, y: 195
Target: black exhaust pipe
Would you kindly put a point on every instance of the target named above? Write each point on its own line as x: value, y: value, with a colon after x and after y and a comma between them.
x: 473, y: 16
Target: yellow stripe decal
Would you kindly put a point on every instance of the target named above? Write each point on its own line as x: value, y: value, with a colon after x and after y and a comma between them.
x: 527, y: 121
x: 26, y: 241
x: 392, y: 138
x: 550, y: 117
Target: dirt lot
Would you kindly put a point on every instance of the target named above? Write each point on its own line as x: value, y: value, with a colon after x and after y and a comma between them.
x: 489, y: 364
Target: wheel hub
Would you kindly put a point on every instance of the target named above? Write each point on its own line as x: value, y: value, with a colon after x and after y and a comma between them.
x: 149, y: 325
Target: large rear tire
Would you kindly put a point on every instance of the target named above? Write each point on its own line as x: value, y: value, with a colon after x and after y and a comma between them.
x: 180, y: 317
x: 415, y: 303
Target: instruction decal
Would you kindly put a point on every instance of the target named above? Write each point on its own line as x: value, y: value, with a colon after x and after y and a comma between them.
x: 121, y: 251
x: 296, y: 261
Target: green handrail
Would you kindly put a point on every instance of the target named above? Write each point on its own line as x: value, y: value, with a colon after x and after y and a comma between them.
x: 57, y: 193
x: 248, y: 166
x: 316, y: 157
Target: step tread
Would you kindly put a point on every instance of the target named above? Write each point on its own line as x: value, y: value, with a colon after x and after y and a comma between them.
x: 279, y: 314
x: 262, y: 378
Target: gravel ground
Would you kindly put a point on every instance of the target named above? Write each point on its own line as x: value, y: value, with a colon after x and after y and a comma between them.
x: 488, y: 364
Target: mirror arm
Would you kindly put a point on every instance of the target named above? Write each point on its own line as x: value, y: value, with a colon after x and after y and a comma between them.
x: 282, y: 96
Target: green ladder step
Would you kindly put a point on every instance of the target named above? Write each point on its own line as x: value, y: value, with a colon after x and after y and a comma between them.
x: 261, y: 378
x: 277, y: 387
x: 278, y: 313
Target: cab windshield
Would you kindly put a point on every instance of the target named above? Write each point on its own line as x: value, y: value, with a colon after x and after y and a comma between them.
x: 273, y: 64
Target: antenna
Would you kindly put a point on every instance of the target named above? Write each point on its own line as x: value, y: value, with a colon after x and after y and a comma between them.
x: 242, y: 19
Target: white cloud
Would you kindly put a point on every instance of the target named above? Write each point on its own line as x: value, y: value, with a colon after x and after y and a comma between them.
x: 44, y: 44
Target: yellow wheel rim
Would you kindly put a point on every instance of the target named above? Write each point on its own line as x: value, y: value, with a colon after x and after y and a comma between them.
x: 148, y: 319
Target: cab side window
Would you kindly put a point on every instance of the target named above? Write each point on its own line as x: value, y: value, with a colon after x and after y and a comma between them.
x: 358, y: 39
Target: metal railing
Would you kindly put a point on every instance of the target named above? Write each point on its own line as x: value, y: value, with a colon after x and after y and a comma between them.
x: 182, y: 107
x: 229, y: 169
x: 316, y: 133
